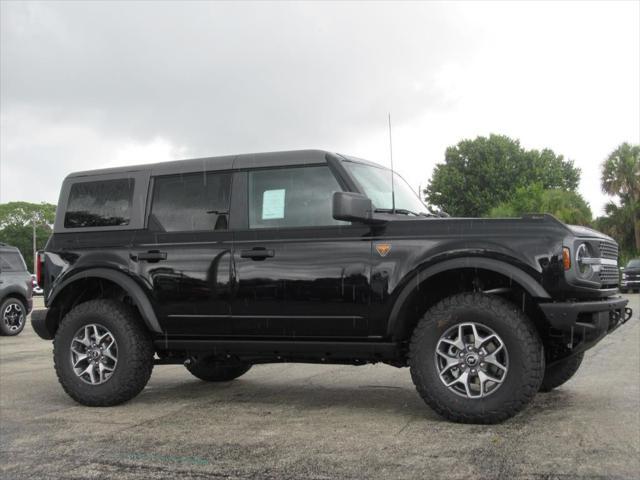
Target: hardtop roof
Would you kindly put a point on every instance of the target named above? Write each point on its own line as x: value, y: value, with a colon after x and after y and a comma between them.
x: 227, y: 162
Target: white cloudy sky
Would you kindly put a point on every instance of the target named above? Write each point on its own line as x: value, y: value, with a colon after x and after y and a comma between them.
x: 90, y: 84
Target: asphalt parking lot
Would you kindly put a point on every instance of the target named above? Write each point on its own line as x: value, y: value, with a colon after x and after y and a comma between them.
x: 315, y: 422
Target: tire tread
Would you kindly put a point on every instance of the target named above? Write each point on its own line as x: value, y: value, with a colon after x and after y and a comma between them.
x: 139, y: 365
x: 524, y: 331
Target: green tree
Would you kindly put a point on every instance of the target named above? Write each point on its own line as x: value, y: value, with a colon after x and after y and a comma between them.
x: 617, y: 223
x: 16, y: 226
x: 567, y: 206
x: 621, y: 178
x: 480, y: 174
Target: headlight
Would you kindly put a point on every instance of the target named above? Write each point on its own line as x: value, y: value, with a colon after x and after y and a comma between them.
x: 624, y: 275
x: 582, y: 253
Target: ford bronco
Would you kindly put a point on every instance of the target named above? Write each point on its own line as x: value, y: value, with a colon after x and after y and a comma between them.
x: 309, y: 256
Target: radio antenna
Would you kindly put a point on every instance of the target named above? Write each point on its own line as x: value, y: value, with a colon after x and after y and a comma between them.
x: 393, y: 194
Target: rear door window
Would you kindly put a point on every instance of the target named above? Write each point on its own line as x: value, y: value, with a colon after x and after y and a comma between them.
x: 104, y: 203
x: 193, y: 202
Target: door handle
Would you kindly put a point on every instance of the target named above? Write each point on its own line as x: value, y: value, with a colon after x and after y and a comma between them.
x: 257, y: 253
x: 151, y: 256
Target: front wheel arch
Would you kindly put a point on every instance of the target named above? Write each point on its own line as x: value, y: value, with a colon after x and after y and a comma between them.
x: 402, y: 319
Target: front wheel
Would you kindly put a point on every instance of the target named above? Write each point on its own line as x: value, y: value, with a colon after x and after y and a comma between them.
x: 476, y: 358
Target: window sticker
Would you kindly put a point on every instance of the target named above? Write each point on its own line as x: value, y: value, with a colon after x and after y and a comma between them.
x: 273, y: 204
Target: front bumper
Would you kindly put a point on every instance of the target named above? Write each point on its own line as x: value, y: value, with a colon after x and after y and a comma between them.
x: 587, y: 323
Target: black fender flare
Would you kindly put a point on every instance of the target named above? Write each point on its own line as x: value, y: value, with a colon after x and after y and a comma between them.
x: 135, y: 291
x: 526, y: 281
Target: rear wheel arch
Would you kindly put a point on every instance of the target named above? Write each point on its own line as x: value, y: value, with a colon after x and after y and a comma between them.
x: 417, y: 294
x: 99, y: 283
x: 18, y: 296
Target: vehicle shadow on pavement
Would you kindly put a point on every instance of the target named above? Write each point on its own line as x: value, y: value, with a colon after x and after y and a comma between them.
x: 401, y: 399
x: 401, y: 402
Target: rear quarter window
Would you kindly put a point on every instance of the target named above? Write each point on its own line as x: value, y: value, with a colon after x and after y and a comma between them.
x: 12, y: 262
x: 104, y: 203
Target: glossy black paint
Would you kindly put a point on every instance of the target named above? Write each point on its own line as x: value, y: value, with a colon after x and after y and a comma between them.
x: 321, y: 283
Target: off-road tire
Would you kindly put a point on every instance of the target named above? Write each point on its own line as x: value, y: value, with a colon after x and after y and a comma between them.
x: 4, y: 328
x: 561, y: 372
x: 525, y: 350
x: 210, y: 370
x: 135, y: 353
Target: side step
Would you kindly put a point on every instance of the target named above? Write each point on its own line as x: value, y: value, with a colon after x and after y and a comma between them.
x: 281, y: 350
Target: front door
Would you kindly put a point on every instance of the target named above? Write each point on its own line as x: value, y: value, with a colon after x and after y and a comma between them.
x: 298, y: 272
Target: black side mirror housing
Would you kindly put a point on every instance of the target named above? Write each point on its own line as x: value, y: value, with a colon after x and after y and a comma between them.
x: 352, y: 207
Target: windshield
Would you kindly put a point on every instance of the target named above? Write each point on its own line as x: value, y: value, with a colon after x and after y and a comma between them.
x: 634, y: 263
x: 376, y: 183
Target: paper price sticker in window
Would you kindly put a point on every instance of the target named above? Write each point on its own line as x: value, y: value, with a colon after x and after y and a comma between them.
x: 273, y: 204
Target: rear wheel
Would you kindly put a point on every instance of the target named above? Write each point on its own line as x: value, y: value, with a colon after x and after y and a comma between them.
x: 476, y: 358
x: 560, y: 372
x: 103, y: 355
x: 13, y: 316
x: 211, y: 370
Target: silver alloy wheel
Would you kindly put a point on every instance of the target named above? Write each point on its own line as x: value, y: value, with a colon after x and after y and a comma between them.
x: 94, y: 354
x: 472, y: 360
x: 13, y: 316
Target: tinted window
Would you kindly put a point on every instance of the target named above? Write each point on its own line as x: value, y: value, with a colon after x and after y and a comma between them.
x: 12, y: 262
x: 291, y: 197
x: 105, y: 203
x: 198, y: 201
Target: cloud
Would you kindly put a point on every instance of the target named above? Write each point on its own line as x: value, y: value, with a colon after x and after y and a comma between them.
x: 87, y: 84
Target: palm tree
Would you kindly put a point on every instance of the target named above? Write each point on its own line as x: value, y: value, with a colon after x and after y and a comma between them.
x: 621, y: 177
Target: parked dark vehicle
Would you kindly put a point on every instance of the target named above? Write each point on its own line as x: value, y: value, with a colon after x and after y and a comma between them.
x: 15, y: 291
x: 223, y: 263
x: 631, y: 276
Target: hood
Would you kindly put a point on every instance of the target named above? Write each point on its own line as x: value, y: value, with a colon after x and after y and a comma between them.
x: 580, y: 231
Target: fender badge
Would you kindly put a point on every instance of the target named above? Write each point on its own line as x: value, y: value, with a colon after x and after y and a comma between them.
x: 383, y: 249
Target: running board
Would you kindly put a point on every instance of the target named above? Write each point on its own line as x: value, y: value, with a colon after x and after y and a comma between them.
x: 285, y: 349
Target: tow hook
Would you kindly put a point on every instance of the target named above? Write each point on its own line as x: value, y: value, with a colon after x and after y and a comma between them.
x: 627, y: 315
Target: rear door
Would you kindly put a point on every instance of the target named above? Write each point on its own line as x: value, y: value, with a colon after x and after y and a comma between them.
x: 298, y: 272
x: 185, y: 252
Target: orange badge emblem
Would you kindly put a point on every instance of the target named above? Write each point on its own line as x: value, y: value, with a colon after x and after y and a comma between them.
x: 383, y: 249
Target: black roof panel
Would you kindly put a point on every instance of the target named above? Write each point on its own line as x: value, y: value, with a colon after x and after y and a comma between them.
x: 249, y: 160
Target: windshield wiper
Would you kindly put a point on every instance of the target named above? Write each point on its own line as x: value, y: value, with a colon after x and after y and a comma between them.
x: 402, y: 211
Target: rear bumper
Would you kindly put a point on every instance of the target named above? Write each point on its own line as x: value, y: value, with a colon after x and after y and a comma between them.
x: 588, y: 321
x: 40, y: 325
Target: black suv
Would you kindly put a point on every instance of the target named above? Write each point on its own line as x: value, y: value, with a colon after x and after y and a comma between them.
x: 307, y: 256
x: 631, y: 276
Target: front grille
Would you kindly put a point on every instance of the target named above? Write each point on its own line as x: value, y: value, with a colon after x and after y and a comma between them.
x: 609, y: 275
x: 609, y: 250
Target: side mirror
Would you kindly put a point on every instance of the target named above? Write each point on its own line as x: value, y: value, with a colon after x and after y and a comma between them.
x: 352, y: 207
